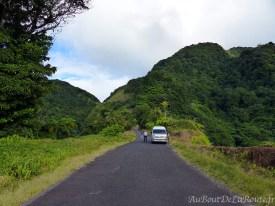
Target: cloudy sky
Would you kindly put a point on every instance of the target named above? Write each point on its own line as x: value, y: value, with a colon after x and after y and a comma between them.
x: 118, y: 40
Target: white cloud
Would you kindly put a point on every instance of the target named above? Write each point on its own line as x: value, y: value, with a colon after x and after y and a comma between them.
x: 86, y: 76
x: 126, y: 37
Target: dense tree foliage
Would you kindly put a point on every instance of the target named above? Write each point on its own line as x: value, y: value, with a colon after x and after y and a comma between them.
x: 232, y: 95
x: 63, y: 110
x: 23, y: 79
x: 108, y: 114
x: 24, y: 45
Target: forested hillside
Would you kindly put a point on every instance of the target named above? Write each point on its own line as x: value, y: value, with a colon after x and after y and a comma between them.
x: 231, y: 93
x: 63, y: 110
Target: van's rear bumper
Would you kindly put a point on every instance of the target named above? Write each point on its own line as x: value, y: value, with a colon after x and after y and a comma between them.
x: 159, y: 140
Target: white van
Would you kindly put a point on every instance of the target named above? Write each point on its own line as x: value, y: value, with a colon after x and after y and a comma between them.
x: 159, y: 134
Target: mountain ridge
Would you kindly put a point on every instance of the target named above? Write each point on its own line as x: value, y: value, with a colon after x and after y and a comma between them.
x: 205, y: 83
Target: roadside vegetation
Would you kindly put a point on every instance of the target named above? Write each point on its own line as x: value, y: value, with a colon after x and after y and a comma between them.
x: 29, y: 166
x: 235, y: 171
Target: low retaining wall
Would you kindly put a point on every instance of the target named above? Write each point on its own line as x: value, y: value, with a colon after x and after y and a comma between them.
x: 262, y: 156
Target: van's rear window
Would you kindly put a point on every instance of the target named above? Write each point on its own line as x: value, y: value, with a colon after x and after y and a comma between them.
x: 159, y: 131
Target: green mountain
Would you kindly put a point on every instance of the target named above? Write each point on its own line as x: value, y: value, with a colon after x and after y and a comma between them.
x: 64, y: 109
x: 231, y: 93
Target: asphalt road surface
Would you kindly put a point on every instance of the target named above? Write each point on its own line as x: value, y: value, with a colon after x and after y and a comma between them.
x: 137, y: 174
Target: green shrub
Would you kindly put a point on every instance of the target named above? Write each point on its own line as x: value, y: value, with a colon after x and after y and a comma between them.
x: 113, y: 130
x: 165, y: 121
x: 200, y: 139
x: 187, y: 124
x: 149, y: 125
x: 267, y: 144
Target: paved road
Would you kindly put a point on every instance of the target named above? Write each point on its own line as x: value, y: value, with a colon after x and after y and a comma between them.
x: 136, y: 174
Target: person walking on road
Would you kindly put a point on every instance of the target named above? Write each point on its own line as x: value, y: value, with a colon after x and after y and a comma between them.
x: 145, y: 135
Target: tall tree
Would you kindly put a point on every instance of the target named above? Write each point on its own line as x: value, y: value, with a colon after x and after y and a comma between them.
x: 24, y: 45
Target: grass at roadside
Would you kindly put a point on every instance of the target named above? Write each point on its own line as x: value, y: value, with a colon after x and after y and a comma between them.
x: 240, y: 176
x: 27, y: 167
